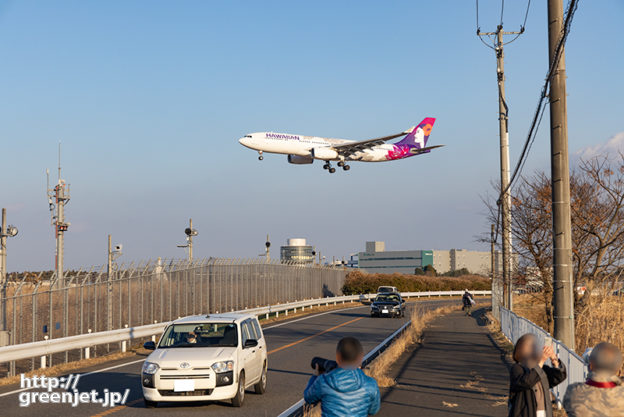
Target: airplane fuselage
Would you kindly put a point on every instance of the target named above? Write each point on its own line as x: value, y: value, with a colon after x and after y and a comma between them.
x: 320, y: 148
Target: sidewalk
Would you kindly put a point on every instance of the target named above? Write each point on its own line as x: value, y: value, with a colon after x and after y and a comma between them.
x: 458, y: 371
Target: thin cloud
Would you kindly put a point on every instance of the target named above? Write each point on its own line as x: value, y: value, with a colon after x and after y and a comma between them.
x: 613, y: 145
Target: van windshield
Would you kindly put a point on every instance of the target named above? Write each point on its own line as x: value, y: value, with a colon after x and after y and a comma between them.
x: 200, y: 335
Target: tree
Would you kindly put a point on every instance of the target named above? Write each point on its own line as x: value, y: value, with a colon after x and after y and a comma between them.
x: 430, y: 271
x: 597, y: 214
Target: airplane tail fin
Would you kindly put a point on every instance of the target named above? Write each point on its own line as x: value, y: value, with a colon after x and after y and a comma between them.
x: 419, y: 135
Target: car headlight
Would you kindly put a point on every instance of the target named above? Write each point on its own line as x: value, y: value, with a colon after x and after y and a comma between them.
x: 150, y: 368
x: 224, y: 366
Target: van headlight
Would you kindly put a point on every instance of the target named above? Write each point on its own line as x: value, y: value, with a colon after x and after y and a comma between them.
x: 150, y: 368
x: 224, y: 366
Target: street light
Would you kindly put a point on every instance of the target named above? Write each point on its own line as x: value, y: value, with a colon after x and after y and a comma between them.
x: 189, y: 232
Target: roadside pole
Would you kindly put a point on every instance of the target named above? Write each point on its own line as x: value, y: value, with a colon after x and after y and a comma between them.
x: 560, y: 177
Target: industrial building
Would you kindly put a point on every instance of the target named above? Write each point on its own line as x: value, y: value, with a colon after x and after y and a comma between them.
x: 297, y: 250
x: 377, y: 260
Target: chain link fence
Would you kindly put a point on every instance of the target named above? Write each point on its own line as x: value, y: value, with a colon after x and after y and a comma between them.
x: 156, y: 291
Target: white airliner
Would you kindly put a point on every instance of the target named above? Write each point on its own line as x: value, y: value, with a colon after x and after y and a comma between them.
x: 305, y: 149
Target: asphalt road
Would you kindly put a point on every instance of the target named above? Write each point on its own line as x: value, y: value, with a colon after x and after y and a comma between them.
x: 291, y: 345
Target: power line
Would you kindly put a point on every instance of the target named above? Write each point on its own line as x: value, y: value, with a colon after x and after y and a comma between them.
x: 572, y: 6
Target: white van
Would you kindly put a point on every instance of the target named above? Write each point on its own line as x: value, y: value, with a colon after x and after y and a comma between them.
x: 385, y: 289
x: 205, y: 358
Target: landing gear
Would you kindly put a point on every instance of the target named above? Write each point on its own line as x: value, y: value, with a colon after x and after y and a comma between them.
x: 260, y: 158
x: 330, y: 168
x: 346, y: 167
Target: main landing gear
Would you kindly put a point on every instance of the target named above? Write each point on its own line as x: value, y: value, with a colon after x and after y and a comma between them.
x: 260, y: 158
x: 331, y: 169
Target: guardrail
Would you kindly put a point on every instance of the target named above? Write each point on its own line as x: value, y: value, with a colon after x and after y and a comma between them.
x: 298, y: 409
x: 514, y: 326
x: 86, y: 341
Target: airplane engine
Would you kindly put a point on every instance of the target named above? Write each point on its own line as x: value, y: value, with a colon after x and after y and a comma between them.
x: 325, y: 153
x: 300, y: 160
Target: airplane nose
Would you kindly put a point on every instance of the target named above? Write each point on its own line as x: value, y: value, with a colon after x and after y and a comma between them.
x: 242, y: 141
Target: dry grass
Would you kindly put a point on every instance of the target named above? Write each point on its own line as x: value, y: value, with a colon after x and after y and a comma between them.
x: 65, y: 368
x: 600, y: 319
x: 380, y: 367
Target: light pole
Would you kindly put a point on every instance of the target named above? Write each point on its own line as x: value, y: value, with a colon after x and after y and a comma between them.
x: 189, y: 232
x: 113, y: 253
x: 5, y: 231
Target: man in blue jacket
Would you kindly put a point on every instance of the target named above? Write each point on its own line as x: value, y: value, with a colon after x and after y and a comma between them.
x: 346, y: 390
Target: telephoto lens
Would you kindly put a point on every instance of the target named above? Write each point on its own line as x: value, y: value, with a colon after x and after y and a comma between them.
x: 324, y: 365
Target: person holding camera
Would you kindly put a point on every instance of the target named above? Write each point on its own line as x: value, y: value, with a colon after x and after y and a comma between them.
x: 344, y: 390
x: 530, y: 379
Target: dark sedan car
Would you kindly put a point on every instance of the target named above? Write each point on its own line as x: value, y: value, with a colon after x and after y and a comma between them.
x: 389, y: 305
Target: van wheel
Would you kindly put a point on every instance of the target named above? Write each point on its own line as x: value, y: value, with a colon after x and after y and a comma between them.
x: 237, y: 401
x: 260, y: 386
x: 150, y: 404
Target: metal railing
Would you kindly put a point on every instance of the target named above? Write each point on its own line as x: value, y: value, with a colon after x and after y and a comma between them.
x: 151, y: 292
x: 514, y: 326
x: 86, y: 343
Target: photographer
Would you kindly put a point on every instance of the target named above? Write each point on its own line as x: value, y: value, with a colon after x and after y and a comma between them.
x: 344, y: 390
x: 530, y: 379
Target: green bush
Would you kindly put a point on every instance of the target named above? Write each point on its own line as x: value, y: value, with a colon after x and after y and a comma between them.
x: 358, y: 282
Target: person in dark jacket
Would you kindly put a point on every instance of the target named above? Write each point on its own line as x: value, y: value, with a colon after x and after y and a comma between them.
x: 345, y: 391
x: 530, y: 379
x: 467, y: 301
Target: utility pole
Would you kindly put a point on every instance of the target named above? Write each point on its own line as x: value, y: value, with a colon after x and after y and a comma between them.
x: 109, y: 281
x: 505, y: 198
x: 58, y: 197
x: 560, y: 177
x: 113, y: 253
x: 190, y: 242
x: 268, y: 249
x: 5, y: 231
x: 189, y: 232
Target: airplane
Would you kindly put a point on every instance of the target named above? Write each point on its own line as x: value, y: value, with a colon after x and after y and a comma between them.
x: 305, y: 149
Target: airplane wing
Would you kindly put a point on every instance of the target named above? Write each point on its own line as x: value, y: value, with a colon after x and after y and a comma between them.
x: 350, y: 148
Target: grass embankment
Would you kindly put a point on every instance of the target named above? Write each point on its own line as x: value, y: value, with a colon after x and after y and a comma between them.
x: 358, y: 282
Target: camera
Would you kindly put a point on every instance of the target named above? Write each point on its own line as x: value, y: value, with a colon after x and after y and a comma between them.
x: 324, y: 365
x: 118, y: 248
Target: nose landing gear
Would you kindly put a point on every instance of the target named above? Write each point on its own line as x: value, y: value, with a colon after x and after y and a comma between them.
x: 260, y: 158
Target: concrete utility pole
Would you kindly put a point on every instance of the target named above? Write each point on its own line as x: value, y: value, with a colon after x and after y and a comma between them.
x: 5, y: 231
x: 113, y: 253
x: 190, y: 242
x: 505, y: 197
x: 58, y: 197
x: 268, y: 249
x: 560, y: 176
x: 189, y: 232
x: 3, y: 273
x: 109, y: 290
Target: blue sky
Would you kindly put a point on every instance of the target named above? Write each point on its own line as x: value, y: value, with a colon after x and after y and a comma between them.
x: 150, y: 97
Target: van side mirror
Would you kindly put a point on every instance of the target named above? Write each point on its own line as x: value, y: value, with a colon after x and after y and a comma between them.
x: 150, y: 345
x: 251, y: 343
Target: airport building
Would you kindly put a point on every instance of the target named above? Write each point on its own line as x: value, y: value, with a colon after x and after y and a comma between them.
x: 297, y: 250
x: 377, y: 260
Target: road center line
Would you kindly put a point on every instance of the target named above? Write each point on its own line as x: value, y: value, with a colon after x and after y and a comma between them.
x: 312, y: 336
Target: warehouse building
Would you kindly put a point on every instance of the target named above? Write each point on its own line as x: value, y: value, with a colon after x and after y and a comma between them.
x: 377, y: 260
